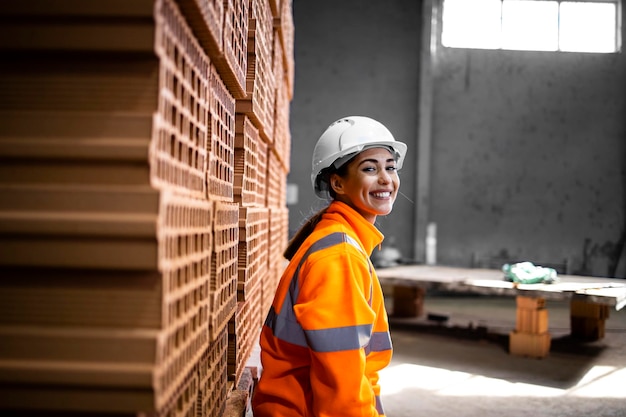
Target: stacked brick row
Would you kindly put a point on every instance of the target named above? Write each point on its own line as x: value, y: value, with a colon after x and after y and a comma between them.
x: 250, y: 164
x: 144, y: 153
x: 530, y: 337
x: 277, y: 240
x: 283, y: 61
x: 224, y: 265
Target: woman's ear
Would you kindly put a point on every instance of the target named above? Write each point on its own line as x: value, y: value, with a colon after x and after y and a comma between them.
x: 336, y: 184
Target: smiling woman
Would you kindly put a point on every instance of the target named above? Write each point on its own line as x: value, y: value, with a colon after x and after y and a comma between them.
x: 371, y: 183
x: 326, y: 336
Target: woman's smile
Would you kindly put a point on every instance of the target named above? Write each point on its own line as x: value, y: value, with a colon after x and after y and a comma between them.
x: 371, y: 185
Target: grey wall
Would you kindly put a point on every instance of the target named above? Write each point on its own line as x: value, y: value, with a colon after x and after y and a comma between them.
x: 528, y: 154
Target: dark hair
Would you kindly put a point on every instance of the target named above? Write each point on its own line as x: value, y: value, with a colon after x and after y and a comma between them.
x: 307, y: 228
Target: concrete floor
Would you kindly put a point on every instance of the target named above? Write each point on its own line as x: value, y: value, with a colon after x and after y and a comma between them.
x: 463, y: 368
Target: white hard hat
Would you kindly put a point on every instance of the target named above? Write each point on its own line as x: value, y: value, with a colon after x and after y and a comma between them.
x: 345, y: 138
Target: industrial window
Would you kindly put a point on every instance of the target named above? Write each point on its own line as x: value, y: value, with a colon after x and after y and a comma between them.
x: 534, y: 25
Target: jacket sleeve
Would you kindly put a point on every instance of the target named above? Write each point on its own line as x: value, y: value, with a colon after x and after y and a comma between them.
x: 334, y: 312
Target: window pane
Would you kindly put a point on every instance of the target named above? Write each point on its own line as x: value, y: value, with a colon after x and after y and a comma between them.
x: 471, y: 24
x: 588, y: 27
x: 530, y: 25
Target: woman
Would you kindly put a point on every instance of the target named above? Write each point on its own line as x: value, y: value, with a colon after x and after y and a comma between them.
x: 326, y: 335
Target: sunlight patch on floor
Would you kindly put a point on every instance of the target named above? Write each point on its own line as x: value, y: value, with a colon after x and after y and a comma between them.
x: 599, y: 382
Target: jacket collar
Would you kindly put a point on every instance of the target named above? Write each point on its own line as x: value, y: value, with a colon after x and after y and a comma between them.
x: 366, y: 232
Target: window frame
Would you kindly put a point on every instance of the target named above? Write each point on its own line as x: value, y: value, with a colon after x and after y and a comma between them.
x: 617, y: 41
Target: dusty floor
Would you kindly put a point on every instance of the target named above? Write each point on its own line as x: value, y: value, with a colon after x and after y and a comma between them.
x: 463, y: 368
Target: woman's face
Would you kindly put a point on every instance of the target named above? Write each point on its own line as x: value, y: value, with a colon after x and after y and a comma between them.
x: 371, y: 184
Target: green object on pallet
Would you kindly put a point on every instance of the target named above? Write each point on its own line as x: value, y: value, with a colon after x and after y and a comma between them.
x: 529, y: 273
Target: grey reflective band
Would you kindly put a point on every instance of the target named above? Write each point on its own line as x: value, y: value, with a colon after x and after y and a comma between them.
x: 285, y: 326
x: 379, y: 406
x: 285, y: 329
x: 325, y: 242
x: 339, y: 338
x: 379, y: 342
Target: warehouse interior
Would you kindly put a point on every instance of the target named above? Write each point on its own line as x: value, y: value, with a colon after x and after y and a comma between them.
x: 514, y: 154
x: 155, y: 160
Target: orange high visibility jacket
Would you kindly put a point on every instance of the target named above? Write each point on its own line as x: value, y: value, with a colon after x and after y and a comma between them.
x: 326, y: 336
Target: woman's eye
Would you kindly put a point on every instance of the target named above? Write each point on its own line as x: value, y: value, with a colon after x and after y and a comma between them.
x: 392, y: 168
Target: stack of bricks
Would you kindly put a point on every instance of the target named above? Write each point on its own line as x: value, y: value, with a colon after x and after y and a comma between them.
x: 587, y: 319
x: 530, y: 337
x: 145, y: 150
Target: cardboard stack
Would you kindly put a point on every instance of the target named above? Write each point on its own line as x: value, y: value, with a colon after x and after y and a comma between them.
x: 139, y: 151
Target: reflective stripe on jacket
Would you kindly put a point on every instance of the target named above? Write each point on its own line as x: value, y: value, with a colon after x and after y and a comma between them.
x: 326, y: 335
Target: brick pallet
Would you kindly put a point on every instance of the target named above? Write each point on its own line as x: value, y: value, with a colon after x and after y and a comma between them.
x: 283, y: 22
x: 121, y: 205
x: 260, y: 85
x: 282, y: 138
x: 277, y: 240
x: 253, y: 249
x: 146, y: 326
x: 221, y: 166
x: 213, y: 378
x: 244, y: 329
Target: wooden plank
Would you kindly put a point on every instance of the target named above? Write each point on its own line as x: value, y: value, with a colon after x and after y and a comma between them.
x: 598, y: 295
x: 610, y: 291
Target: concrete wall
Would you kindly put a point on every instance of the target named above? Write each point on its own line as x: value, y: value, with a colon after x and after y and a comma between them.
x: 528, y: 156
x: 528, y: 149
